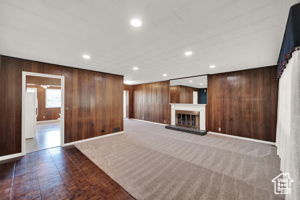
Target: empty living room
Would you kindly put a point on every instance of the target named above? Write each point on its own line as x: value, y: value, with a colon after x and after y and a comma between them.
x: 150, y: 100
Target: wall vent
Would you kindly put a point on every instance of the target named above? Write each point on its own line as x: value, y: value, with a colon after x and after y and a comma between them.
x: 116, y: 130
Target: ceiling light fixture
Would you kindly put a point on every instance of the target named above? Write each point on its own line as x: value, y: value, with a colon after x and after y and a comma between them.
x: 165, y: 75
x: 212, y: 66
x: 135, y: 22
x: 135, y: 68
x: 129, y: 82
x: 201, y: 83
x: 190, y: 81
x: 86, y: 56
x: 188, y: 53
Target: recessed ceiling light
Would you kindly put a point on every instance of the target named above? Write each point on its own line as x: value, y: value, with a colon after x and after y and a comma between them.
x: 212, y: 66
x: 201, y: 83
x: 129, y: 82
x: 135, y: 22
x: 188, y: 53
x: 135, y: 68
x: 165, y: 75
x: 86, y: 56
x: 190, y: 81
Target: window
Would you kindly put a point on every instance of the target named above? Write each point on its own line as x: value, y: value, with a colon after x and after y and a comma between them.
x: 53, y: 98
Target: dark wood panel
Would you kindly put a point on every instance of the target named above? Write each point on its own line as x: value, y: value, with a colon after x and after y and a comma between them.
x: 43, y: 81
x: 181, y: 94
x: 93, y: 101
x: 57, y: 173
x: 244, y: 103
x: 10, y: 106
x: 174, y: 94
x: 151, y: 102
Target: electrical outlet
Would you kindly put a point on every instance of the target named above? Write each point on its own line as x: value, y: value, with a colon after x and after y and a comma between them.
x: 220, y: 129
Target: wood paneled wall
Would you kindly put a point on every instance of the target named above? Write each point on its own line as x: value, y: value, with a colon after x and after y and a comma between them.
x: 151, y: 102
x: 37, y: 82
x: 181, y: 94
x: 93, y: 101
x: 244, y: 103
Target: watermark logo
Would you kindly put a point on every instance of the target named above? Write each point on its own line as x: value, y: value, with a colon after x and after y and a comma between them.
x: 282, y: 183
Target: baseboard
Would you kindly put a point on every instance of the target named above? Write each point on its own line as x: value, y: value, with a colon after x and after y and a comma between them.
x: 93, y: 138
x: 11, y: 156
x: 47, y: 121
x: 148, y: 122
x: 242, y: 138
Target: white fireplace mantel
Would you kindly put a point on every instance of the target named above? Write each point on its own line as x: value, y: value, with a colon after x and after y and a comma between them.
x: 189, y: 107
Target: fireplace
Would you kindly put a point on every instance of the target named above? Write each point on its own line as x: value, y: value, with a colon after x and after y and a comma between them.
x: 191, y: 115
x: 189, y: 119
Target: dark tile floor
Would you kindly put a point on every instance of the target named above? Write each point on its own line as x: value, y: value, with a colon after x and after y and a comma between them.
x: 57, y: 173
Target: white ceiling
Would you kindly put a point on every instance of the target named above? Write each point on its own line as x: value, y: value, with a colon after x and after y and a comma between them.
x: 232, y: 34
x: 195, y: 82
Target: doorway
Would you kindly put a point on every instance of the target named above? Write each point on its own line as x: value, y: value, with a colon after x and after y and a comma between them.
x: 42, y: 111
x: 125, y: 104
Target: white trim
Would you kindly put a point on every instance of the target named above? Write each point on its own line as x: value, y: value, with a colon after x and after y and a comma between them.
x: 47, y: 121
x: 148, y: 122
x: 242, y: 138
x: 62, y: 111
x: 42, y: 75
x: 11, y: 156
x: 93, y: 138
x: 35, y: 89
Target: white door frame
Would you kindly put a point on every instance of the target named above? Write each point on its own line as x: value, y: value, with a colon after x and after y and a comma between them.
x: 125, y: 104
x: 62, y: 109
x: 195, y: 97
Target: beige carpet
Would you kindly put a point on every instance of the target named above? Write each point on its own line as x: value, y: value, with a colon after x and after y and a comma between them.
x: 152, y: 162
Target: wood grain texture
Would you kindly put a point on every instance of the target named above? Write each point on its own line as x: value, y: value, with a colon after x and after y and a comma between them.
x: 42, y: 81
x: 93, y: 101
x: 36, y: 82
x: 181, y: 94
x: 151, y: 102
x: 244, y: 103
x: 10, y: 106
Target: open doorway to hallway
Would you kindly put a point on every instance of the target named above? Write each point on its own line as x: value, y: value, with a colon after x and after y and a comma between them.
x: 42, y: 112
x: 125, y: 104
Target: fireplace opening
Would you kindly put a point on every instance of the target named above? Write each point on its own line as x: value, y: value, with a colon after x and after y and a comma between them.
x: 189, y: 119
